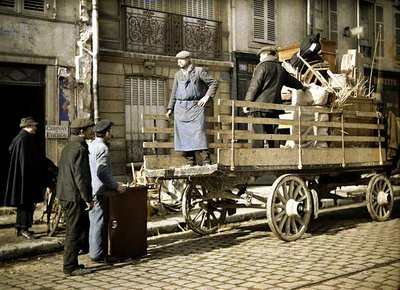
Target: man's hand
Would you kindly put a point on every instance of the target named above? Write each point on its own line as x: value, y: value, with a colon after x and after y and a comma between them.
x: 121, y: 188
x: 202, y: 102
x: 246, y: 110
x: 168, y: 113
x: 89, y: 206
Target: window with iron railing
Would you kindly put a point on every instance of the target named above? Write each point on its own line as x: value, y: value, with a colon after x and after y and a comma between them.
x: 157, y: 32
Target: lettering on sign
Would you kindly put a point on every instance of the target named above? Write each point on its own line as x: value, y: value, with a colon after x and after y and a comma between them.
x: 57, y: 131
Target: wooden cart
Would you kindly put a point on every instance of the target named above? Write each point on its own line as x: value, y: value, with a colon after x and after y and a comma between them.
x: 353, y: 153
x: 356, y: 155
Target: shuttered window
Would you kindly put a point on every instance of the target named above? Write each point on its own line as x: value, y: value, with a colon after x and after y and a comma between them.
x: 25, y: 6
x: 153, y: 4
x: 333, y: 20
x: 264, y: 21
x: 379, y: 28
x: 198, y: 8
x: 316, y: 17
x: 397, y: 29
x: 322, y: 18
x: 143, y: 95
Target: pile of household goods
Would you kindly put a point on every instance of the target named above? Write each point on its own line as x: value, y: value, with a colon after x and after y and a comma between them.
x: 327, y: 89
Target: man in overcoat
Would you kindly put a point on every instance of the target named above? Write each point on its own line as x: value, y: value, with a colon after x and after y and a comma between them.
x: 193, y: 87
x: 25, y: 183
x: 266, y: 84
x: 74, y: 190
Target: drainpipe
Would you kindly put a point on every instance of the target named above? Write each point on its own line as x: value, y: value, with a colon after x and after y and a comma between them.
x: 95, y: 47
x: 358, y: 25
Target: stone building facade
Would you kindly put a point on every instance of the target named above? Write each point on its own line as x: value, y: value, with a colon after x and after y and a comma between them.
x: 46, y: 62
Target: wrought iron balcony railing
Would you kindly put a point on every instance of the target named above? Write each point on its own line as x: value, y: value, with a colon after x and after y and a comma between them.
x: 149, y: 31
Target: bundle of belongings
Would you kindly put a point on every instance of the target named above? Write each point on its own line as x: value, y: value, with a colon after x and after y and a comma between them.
x: 316, y: 96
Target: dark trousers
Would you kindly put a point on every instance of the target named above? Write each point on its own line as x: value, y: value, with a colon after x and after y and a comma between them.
x: 76, y: 234
x: 24, y: 216
x: 265, y: 129
x: 205, y: 155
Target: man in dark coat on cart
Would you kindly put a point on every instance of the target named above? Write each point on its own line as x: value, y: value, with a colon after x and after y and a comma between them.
x: 193, y: 87
x: 266, y: 84
x: 25, y: 183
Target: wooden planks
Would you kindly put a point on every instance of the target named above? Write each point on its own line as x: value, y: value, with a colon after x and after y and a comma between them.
x: 290, y: 157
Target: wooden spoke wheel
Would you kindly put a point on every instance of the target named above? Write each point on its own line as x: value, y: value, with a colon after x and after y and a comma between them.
x: 289, y: 207
x: 55, y: 215
x: 204, y: 216
x: 380, y: 198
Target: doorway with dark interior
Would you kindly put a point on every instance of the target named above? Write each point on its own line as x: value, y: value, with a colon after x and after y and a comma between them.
x: 22, y: 97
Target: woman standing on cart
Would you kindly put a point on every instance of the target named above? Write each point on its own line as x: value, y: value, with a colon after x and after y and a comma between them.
x: 192, y: 89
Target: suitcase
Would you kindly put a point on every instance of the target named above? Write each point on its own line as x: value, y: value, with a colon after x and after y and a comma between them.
x: 125, y: 224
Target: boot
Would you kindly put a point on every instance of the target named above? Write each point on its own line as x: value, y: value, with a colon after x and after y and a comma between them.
x: 191, y: 158
x: 205, y: 155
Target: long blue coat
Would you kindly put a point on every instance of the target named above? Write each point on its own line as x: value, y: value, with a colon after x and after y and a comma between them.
x: 190, y: 132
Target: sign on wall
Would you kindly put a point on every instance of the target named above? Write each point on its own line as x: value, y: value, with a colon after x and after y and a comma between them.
x: 57, y: 131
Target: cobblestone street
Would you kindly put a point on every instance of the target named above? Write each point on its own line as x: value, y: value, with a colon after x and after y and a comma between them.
x: 342, y: 249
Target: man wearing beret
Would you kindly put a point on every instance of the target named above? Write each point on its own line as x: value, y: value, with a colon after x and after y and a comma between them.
x: 25, y: 184
x: 74, y: 190
x: 266, y: 84
x: 102, y: 180
x: 193, y: 87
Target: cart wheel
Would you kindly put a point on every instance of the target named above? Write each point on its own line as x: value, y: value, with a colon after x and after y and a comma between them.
x: 56, y: 215
x: 380, y: 198
x: 289, y: 207
x: 202, y: 216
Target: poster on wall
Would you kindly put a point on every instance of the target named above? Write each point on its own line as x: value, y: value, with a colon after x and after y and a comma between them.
x: 64, y: 100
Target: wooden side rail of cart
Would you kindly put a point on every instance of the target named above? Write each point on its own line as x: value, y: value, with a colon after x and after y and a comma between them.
x: 355, y: 138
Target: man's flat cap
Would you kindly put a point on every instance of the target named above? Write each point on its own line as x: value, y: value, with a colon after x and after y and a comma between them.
x: 103, y: 126
x: 269, y: 48
x: 25, y: 122
x: 183, y: 54
x: 80, y: 123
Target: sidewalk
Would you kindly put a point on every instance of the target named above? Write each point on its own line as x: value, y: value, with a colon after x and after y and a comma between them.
x: 13, y: 247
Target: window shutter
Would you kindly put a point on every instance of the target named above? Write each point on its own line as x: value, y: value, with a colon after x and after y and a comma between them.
x: 34, y: 5
x: 264, y: 21
x: 153, y: 5
x: 7, y: 4
x: 198, y: 8
x: 333, y: 22
x: 258, y: 27
x: 271, y: 21
x: 142, y: 95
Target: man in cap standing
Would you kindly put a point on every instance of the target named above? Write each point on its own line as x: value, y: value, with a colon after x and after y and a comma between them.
x: 192, y: 89
x: 102, y: 180
x: 266, y: 84
x: 74, y: 190
x: 25, y: 184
